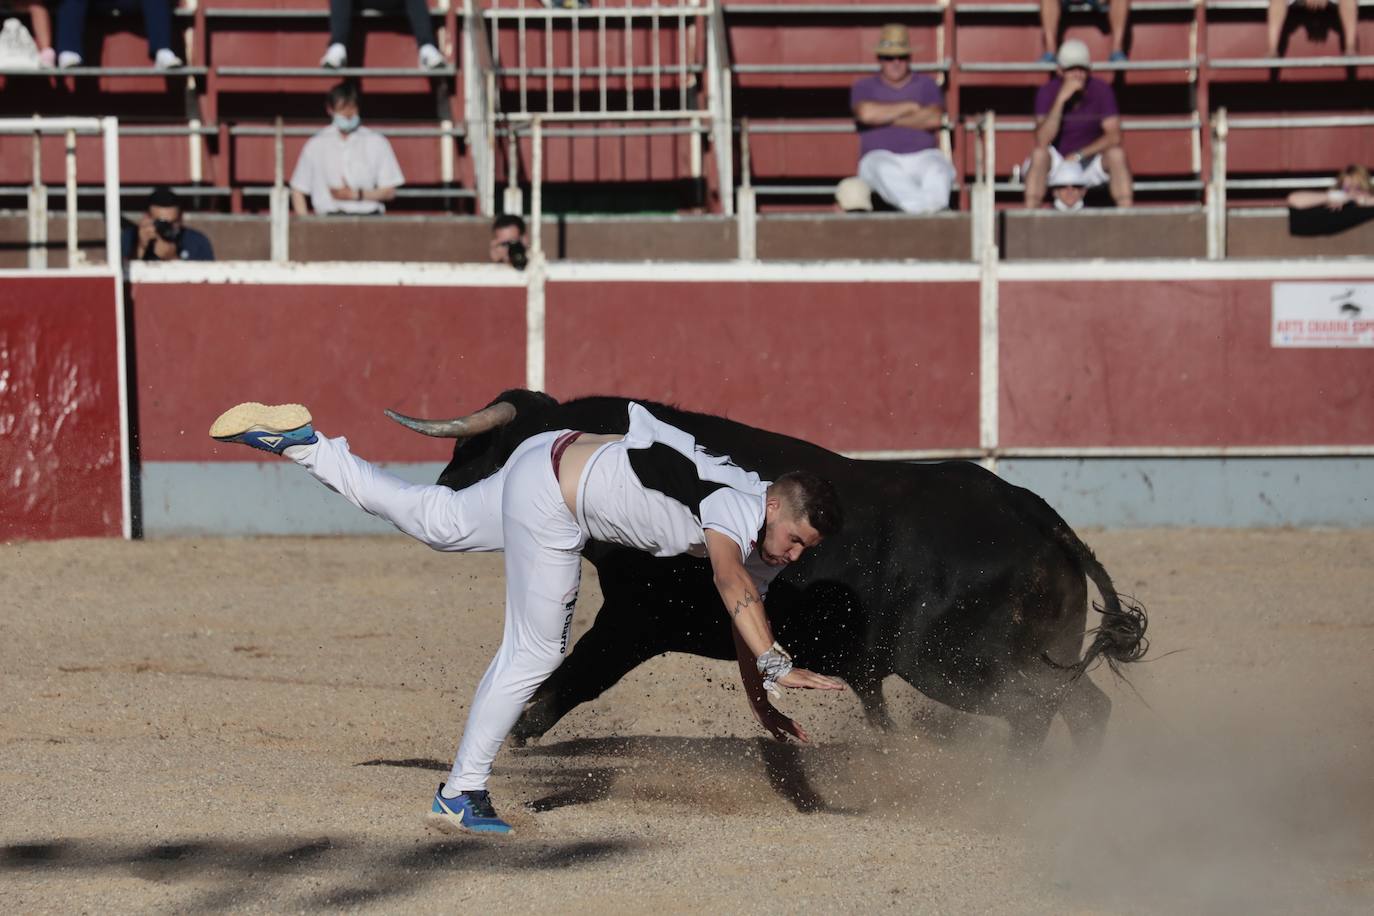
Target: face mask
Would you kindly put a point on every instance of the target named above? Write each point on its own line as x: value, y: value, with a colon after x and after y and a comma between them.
x: 347, y: 125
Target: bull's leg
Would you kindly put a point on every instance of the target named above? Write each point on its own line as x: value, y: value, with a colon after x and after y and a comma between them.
x: 869, y: 690
x: 609, y: 650
x: 1086, y: 709
x: 1029, y: 726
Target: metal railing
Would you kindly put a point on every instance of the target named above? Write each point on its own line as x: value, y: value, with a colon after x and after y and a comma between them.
x: 1222, y: 125
x: 70, y: 129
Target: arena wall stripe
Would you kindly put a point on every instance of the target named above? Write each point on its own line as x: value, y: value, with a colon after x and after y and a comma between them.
x: 864, y: 366
x: 60, y: 443
x: 1169, y: 363
x: 346, y: 351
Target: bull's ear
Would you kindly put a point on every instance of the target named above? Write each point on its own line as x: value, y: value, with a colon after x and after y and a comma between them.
x: 484, y: 420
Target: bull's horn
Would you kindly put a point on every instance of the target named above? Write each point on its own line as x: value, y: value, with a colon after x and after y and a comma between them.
x: 488, y: 418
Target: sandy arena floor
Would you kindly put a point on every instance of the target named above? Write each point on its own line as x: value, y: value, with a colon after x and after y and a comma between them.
x: 258, y: 726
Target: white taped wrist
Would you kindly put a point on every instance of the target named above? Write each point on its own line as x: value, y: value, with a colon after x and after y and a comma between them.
x: 774, y: 665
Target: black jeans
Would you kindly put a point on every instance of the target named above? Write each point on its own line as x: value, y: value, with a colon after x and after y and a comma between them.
x: 417, y: 11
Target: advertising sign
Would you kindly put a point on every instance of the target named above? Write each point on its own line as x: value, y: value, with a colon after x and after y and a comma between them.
x: 1323, y: 315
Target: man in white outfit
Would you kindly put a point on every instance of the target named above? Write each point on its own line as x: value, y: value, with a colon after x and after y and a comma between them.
x: 898, y: 113
x: 653, y: 489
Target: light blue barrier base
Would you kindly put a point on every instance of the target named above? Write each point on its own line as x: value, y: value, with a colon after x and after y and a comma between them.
x: 278, y: 498
x: 1202, y: 492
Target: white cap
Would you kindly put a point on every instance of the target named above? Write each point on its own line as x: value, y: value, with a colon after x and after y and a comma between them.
x: 1069, y: 173
x: 853, y: 193
x: 1073, y: 53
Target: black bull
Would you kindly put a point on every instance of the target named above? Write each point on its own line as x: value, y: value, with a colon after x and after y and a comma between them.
x: 970, y: 589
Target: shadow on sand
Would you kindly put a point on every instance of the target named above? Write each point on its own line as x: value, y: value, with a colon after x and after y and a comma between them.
x: 222, y: 874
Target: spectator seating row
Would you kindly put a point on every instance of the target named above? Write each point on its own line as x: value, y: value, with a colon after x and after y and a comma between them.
x: 644, y: 94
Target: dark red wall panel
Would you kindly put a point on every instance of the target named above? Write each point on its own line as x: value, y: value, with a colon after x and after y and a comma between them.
x: 345, y: 352
x: 857, y: 366
x: 59, y: 408
x: 1185, y: 363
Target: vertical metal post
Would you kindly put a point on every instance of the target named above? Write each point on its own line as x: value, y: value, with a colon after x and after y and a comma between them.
x: 1216, y: 190
x: 537, y: 187
x: 109, y: 132
x: 446, y: 151
x: 109, y: 128
x: 989, y: 353
x: 74, y: 257
x: 718, y: 100
x: 280, y: 203
x: 38, y: 207
x: 747, y: 209
x: 195, y: 146
x: 512, y: 201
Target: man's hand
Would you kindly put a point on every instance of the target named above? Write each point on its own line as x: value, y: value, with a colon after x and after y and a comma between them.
x: 782, y: 727
x: 147, y: 232
x: 800, y: 677
x: 346, y: 193
x: 1074, y: 81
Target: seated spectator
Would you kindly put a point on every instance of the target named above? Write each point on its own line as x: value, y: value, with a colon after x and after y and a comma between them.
x: 160, y: 235
x: 157, y: 21
x: 1348, y: 204
x: 1068, y: 187
x: 898, y: 113
x: 345, y: 168
x: 1076, y: 120
x: 1347, y: 10
x: 508, y: 242
x: 1118, y: 11
x: 341, y: 25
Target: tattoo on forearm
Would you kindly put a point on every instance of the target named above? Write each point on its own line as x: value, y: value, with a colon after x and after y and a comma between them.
x: 741, y: 604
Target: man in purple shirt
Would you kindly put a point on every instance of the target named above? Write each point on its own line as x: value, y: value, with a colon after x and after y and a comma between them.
x: 1076, y: 120
x: 898, y: 113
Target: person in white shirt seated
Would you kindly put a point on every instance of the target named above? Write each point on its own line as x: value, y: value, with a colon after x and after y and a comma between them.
x: 345, y: 168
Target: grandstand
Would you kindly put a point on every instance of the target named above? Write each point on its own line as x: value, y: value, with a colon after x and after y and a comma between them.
x: 669, y: 113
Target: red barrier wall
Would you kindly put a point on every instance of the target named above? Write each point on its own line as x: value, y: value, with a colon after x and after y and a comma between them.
x: 1185, y: 363
x: 853, y: 366
x: 59, y: 408
x: 346, y: 351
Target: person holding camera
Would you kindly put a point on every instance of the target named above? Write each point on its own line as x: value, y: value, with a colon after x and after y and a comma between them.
x: 508, y: 243
x: 160, y: 235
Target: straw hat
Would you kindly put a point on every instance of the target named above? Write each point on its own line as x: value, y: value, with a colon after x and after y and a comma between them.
x: 893, y: 41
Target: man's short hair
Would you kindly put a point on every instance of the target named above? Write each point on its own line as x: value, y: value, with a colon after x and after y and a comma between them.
x: 506, y: 220
x: 341, y: 94
x: 163, y: 196
x: 813, y: 498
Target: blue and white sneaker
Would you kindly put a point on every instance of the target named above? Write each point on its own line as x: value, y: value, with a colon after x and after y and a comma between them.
x: 471, y: 811
x: 271, y: 428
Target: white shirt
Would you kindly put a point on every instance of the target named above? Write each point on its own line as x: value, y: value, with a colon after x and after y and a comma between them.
x: 656, y: 490
x: 362, y: 159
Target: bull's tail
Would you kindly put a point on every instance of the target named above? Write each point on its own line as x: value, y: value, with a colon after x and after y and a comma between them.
x: 1120, y: 637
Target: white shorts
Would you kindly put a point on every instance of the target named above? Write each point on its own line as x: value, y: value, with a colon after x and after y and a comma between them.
x: 1092, y: 168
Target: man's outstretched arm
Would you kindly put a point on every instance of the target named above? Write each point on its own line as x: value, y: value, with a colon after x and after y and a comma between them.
x: 745, y: 607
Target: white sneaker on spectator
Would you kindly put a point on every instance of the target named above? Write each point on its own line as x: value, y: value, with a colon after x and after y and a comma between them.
x: 335, y: 56
x: 47, y: 58
x: 431, y: 58
x: 166, y: 60
x: 68, y: 59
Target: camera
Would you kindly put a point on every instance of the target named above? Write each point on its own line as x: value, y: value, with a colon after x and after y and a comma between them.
x: 519, y: 255
x: 165, y: 229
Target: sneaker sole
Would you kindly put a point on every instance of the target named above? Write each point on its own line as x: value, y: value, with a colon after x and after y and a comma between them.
x: 239, y: 419
x: 451, y: 826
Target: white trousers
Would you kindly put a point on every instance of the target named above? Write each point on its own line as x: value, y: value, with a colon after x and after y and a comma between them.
x: 519, y: 509
x: 911, y: 182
